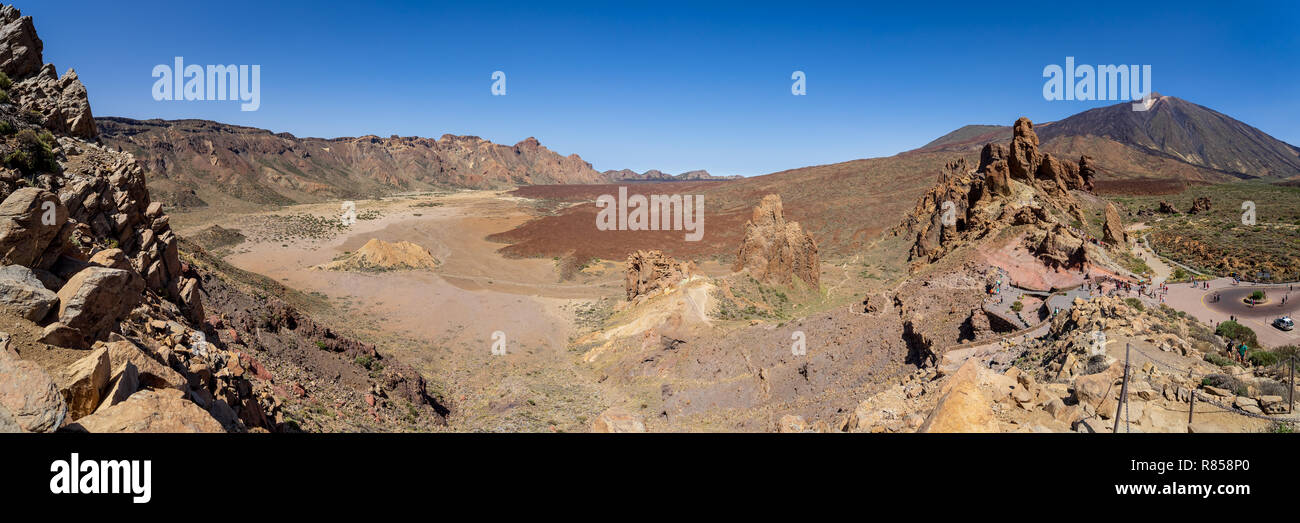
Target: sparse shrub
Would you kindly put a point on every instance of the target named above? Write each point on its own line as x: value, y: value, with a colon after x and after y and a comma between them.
x: 1096, y: 364
x: 1272, y: 388
x: 1017, y: 306
x: 5, y: 82
x: 1224, y: 381
x: 1135, y: 303
x: 1287, y: 352
x: 1236, y: 331
x: 365, y: 361
x: 1218, y: 360
x: 33, y: 153
x: 1262, y: 358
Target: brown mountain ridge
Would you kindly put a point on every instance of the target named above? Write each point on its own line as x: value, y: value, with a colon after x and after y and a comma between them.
x: 192, y: 162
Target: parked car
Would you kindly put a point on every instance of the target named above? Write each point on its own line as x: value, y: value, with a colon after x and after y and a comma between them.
x: 1284, y: 323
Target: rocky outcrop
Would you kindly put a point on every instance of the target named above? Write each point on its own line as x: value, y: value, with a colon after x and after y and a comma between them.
x: 1061, y: 248
x: 776, y: 251
x: 61, y: 101
x: 20, y: 48
x: 648, y: 272
x: 1087, y: 172
x: 1113, y: 228
x: 1200, y: 205
x: 1166, y: 208
x: 1015, y: 186
x: 1023, y: 158
x: 151, y: 411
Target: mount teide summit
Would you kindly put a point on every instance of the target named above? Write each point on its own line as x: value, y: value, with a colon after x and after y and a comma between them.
x: 192, y: 161
x: 1175, y: 138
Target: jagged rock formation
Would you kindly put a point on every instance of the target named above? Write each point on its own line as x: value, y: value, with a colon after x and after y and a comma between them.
x: 61, y: 103
x: 1113, y: 229
x: 1166, y: 208
x: 1012, y: 186
x: 647, y: 272
x: 776, y: 251
x: 1199, y: 205
x: 182, y: 157
x: 1061, y: 248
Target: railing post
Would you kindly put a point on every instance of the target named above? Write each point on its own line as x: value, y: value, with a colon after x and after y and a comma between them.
x: 1123, y: 391
x: 1290, y: 393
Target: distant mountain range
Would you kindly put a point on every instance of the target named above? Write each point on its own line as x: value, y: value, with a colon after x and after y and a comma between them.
x: 655, y: 175
x: 1174, y: 138
x: 193, y: 162
x: 196, y: 162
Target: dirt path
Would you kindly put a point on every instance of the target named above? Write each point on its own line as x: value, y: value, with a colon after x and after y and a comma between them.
x: 1162, y: 271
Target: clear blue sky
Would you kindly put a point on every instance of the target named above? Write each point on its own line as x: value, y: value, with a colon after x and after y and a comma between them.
x: 674, y: 86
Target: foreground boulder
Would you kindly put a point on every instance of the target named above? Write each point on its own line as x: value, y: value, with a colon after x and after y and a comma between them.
x: 29, y: 394
x: 776, y: 251
x: 964, y: 407
x: 32, y: 228
x: 83, y: 382
x: 23, y: 294
x: 95, y: 298
x: 151, y: 411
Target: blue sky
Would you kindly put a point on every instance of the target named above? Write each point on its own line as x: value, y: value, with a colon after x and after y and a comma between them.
x: 673, y: 86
